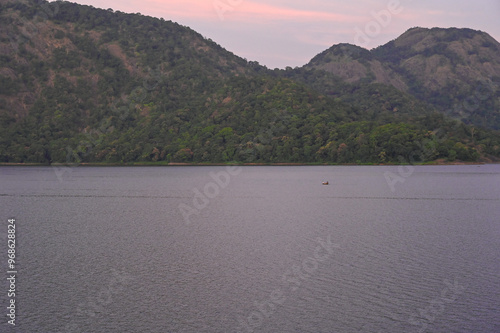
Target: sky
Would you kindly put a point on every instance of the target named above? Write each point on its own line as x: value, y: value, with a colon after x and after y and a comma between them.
x: 281, y: 33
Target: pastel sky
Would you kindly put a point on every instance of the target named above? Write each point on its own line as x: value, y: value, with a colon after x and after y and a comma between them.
x: 280, y: 33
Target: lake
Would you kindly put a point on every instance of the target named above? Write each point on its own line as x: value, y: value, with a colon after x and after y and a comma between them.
x: 253, y: 249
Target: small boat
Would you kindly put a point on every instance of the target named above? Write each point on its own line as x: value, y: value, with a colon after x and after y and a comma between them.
x: 325, y: 183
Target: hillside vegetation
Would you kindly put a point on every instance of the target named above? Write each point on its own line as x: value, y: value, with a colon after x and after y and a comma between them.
x: 457, y: 71
x: 80, y: 84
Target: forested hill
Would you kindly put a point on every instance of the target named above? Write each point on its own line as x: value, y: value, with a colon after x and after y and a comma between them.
x: 80, y: 84
x: 455, y: 70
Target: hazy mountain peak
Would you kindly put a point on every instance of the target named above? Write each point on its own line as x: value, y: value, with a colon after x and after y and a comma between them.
x: 354, y: 64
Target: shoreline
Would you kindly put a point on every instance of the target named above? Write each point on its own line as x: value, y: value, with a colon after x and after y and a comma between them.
x: 156, y: 164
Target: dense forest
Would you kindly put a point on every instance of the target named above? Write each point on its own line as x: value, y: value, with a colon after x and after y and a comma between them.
x: 456, y: 71
x: 80, y: 84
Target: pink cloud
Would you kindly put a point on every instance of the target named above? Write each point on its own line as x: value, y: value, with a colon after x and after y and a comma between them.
x: 252, y: 10
x: 234, y: 10
x: 215, y: 10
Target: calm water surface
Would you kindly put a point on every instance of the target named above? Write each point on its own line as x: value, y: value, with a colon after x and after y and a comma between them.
x: 260, y: 249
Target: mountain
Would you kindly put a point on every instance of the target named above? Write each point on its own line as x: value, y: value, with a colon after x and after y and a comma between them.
x: 113, y: 52
x: 81, y: 84
x: 355, y: 64
x: 455, y: 70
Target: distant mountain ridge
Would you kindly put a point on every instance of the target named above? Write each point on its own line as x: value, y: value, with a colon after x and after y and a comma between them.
x: 355, y: 64
x: 455, y: 70
x: 81, y: 84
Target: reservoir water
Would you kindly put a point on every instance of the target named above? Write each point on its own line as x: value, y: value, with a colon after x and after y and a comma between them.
x: 253, y: 249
